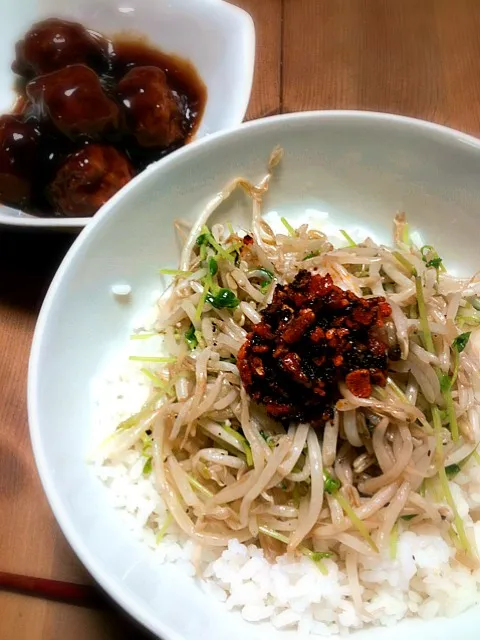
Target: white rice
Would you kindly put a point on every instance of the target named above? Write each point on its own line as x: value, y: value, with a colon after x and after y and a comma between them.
x: 424, y: 580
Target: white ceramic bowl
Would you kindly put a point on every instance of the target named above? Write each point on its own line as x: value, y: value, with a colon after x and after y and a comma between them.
x: 216, y: 36
x: 346, y: 169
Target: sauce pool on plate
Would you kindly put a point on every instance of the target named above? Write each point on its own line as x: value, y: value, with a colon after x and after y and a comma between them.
x: 91, y: 114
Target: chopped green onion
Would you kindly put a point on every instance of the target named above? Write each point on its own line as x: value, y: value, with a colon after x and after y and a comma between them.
x: 203, y: 471
x: 201, y: 303
x: 163, y: 529
x: 431, y: 257
x: 271, y: 443
x: 230, y: 229
x: 442, y: 474
x: 168, y: 360
x: 243, y: 442
x: 224, y: 299
x: 143, y: 336
x: 199, y: 487
x: 425, y: 250
x: 460, y: 529
x: 202, y: 239
x: 355, y: 520
x: 406, y: 264
x: 190, y: 337
x: 394, y: 541
x: 473, y: 454
x: 445, y: 382
x: 380, y: 392
x: 351, y: 242
x: 262, y: 274
x: 212, y: 266
x: 437, y: 426
x: 452, y: 470
x: 132, y: 421
x: 265, y: 273
x: 224, y: 444
x: 422, y: 312
x: 391, y: 384
x: 446, y: 389
x: 432, y: 487
x: 452, y: 418
x: 476, y: 456
x: 157, y: 382
x: 410, y: 516
x: 205, y: 238
x: 146, y: 440
x: 175, y: 272
x: 273, y: 534
x: 330, y: 485
x: 454, y: 538
x: 143, y: 414
x: 296, y: 495
x: 220, y: 250
x: 468, y: 314
x: 147, y: 467
x: 469, y: 321
x: 435, y: 263
x: 315, y: 556
x: 461, y: 341
x: 235, y: 246
x: 288, y: 227
x: 312, y: 254
x: 423, y: 488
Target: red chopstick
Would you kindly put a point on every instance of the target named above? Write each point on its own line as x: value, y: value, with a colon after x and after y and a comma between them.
x: 68, y: 592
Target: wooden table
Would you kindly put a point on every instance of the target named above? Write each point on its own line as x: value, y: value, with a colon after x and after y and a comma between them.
x: 415, y: 57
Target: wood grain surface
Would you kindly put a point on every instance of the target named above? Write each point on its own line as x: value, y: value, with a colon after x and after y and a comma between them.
x: 267, y: 16
x: 414, y: 57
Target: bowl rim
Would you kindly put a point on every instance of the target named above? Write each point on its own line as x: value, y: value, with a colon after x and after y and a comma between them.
x: 20, y: 220
x: 59, y: 508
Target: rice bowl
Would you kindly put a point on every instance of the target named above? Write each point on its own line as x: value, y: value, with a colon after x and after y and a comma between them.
x: 261, y: 602
x: 337, y: 506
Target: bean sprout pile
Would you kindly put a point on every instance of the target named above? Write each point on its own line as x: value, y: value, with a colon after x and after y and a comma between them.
x: 226, y: 469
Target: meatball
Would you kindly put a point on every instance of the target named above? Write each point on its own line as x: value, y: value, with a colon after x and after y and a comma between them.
x: 88, y: 178
x: 18, y: 151
x: 53, y: 44
x: 153, y: 114
x: 73, y: 99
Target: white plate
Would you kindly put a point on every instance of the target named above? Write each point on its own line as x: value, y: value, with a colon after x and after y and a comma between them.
x: 346, y: 169
x: 216, y: 36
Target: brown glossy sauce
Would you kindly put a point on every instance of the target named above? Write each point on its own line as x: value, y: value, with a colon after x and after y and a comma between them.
x: 91, y: 113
